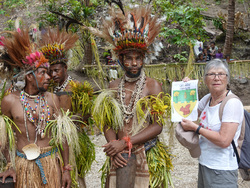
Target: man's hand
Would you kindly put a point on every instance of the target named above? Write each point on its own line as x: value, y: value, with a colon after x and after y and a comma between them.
x: 114, y: 147
x: 9, y: 173
x: 118, y: 161
x: 66, y: 179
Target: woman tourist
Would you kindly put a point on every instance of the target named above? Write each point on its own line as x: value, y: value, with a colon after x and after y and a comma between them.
x: 217, y: 162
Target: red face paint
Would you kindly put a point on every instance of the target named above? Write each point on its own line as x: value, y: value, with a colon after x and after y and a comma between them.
x: 41, y: 79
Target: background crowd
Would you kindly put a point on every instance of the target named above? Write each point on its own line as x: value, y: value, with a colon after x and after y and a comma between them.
x: 208, y: 52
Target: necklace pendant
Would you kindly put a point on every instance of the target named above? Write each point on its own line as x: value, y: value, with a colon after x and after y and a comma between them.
x: 34, y: 112
x: 127, y: 120
x: 42, y: 134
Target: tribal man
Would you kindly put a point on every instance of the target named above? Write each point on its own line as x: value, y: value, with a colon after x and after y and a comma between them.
x: 55, y: 46
x: 139, y: 97
x: 31, y: 109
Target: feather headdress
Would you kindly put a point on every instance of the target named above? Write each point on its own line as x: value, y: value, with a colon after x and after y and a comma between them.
x: 136, y: 29
x: 55, y: 45
x: 21, y: 52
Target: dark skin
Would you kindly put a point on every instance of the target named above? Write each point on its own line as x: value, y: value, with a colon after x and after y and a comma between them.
x: 12, y: 107
x: 132, y: 63
x: 58, y: 73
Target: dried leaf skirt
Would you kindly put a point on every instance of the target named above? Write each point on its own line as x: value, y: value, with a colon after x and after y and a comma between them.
x: 29, y: 175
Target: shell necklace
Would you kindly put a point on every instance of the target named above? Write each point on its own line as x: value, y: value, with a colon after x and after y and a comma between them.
x: 129, y: 110
x: 63, y: 86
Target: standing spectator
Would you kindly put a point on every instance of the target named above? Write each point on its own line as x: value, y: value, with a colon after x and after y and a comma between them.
x: 213, y: 49
x: 219, y: 54
x: 198, y: 47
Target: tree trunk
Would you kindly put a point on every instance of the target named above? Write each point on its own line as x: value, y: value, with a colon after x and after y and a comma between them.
x: 230, y: 28
x: 88, y: 52
x: 87, y: 2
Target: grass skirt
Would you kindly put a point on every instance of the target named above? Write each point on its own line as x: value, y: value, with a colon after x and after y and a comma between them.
x: 29, y: 176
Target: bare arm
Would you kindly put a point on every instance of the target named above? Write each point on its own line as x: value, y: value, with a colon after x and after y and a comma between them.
x: 6, y: 105
x: 6, y: 110
x: 223, y: 138
x: 154, y: 129
x: 65, y: 102
x: 66, y: 179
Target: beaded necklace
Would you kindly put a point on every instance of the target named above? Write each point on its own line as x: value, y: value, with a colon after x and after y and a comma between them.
x: 129, y: 110
x: 40, y: 122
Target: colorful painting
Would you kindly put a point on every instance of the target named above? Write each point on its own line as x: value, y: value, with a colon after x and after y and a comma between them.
x: 184, y: 100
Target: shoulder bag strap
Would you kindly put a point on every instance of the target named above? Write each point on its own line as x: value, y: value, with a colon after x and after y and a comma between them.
x: 223, y: 103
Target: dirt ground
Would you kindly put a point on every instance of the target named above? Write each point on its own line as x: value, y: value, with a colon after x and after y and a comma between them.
x: 184, y: 174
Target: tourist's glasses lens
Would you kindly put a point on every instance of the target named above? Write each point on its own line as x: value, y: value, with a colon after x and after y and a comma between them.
x: 213, y: 75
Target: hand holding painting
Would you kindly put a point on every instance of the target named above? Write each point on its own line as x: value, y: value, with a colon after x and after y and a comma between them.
x: 184, y: 100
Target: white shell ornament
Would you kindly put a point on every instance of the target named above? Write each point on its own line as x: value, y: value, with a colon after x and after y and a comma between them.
x: 32, y: 151
x: 42, y: 134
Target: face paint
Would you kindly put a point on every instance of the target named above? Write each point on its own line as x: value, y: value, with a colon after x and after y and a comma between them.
x: 133, y: 63
x: 42, y: 78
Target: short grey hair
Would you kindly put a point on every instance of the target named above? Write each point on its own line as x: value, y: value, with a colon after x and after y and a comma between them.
x: 217, y: 64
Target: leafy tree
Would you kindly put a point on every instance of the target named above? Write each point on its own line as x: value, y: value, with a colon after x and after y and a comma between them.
x: 186, y: 23
x: 183, y: 22
x: 72, y: 14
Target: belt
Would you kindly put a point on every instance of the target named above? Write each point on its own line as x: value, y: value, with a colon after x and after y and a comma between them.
x: 38, y: 162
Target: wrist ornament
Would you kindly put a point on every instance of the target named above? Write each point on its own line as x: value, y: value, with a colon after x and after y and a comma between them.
x: 67, y: 168
x: 198, y: 130
x: 129, y: 144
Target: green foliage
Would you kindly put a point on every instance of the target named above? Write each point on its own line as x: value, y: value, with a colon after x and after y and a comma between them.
x: 74, y: 9
x: 107, y: 111
x: 218, y: 24
x: 11, y: 4
x: 217, y: 2
x: 159, y: 161
x: 158, y: 106
x: 2, y: 12
x: 184, y: 23
x: 86, y: 156
x: 181, y: 57
x: 82, y: 97
x: 10, y: 25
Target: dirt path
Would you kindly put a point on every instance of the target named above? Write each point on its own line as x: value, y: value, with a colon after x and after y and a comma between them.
x: 185, y: 170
